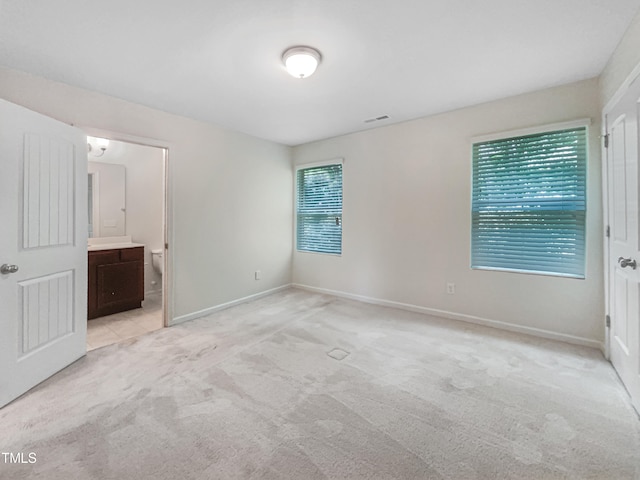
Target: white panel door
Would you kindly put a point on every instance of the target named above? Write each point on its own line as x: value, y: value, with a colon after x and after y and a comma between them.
x: 43, y: 207
x: 624, y: 246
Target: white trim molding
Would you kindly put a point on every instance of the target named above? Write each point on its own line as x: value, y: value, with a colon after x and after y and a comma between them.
x: 536, y: 332
x: 622, y: 89
x: 321, y: 163
x: 223, y: 306
x: 522, y: 132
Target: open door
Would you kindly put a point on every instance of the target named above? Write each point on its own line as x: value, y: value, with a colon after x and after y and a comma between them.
x: 624, y: 242
x: 43, y: 248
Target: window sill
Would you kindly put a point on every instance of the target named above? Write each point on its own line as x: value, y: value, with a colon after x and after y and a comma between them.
x: 319, y: 253
x: 530, y: 272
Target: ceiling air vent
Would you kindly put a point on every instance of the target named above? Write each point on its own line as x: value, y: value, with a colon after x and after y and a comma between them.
x: 377, y: 119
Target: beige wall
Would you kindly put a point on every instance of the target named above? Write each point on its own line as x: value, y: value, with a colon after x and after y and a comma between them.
x: 406, y: 219
x: 624, y: 59
x: 231, y: 193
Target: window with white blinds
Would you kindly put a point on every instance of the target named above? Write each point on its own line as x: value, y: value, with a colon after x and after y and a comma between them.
x: 529, y: 203
x: 319, y: 209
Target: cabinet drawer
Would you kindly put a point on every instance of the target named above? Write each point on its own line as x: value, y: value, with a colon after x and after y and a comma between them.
x: 104, y: 256
x: 132, y: 254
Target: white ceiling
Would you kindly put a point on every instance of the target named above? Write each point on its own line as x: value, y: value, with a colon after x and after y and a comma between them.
x: 219, y: 60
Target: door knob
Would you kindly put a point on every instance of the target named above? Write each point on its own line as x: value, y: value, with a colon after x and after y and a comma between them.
x: 7, y: 269
x: 627, y: 262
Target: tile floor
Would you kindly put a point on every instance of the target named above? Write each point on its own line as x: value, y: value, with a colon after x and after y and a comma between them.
x: 120, y: 326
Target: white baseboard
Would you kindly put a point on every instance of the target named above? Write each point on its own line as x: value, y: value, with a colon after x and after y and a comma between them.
x: 216, y: 308
x: 537, y: 332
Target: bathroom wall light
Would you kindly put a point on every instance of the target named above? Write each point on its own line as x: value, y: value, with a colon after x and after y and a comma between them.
x: 301, y: 62
x: 101, y: 145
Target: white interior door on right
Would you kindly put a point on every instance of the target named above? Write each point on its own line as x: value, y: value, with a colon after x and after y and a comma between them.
x: 624, y: 246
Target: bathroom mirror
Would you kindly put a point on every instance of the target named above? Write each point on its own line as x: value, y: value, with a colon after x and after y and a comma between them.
x: 106, y: 199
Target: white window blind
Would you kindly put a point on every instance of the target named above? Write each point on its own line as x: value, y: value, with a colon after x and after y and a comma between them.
x: 319, y: 209
x: 529, y: 203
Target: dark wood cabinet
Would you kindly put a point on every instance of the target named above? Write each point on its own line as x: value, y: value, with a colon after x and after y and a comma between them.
x: 116, y: 281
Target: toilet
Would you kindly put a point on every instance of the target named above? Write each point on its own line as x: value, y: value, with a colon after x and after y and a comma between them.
x: 157, y: 261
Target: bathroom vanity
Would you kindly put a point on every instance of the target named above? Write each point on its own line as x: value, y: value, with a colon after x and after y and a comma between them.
x: 116, y: 278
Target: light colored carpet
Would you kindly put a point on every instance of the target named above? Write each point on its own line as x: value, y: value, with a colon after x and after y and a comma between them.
x: 304, y: 386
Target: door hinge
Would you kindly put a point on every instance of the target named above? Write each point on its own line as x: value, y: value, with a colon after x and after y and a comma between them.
x: 607, y: 232
x: 607, y: 321
x: 606, y: 140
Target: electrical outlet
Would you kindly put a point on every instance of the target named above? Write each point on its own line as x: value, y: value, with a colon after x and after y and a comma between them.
x: 258, y: 274
x: 451, y: 288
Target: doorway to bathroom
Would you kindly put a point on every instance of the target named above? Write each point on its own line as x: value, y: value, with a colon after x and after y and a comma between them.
x: 127, y: 211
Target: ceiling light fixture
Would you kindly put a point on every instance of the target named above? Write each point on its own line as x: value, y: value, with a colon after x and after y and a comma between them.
x: 101, y: 144
x: 301, y: 62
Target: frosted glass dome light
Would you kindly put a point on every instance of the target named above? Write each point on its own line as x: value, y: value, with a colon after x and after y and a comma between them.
x: 97, y: 145
x: 102, y: 142
x: 301, y: 62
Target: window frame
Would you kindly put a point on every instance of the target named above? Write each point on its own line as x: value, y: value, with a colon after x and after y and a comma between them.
x: 304, y: 166
x: 547, y: 128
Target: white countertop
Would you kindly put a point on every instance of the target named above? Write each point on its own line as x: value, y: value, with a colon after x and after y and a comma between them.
x: 112, y: 246
x: 110, y: 243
